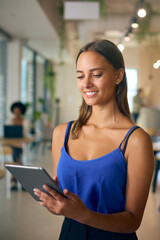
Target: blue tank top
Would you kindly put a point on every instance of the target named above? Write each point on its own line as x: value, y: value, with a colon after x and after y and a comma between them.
x: 101, y: 182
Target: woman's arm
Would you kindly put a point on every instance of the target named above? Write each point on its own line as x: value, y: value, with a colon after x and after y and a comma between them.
x: 57, y: 143
x: 139, y: 155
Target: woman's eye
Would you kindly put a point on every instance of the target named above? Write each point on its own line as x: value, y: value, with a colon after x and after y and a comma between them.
x: 97, y: 75
x: 79, y: 77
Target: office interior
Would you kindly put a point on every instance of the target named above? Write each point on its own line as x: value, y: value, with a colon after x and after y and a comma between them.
x: 39, y: 42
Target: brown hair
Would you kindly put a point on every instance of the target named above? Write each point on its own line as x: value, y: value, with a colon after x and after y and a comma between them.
x: 113, y: 55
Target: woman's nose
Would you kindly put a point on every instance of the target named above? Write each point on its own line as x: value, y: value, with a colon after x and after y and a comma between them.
x: 88, y: 81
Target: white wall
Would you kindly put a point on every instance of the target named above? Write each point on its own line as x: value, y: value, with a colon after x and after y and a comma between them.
x: 131, y: 56
x: 70, y: 99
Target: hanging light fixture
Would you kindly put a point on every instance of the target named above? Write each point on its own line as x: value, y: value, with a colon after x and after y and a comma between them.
x: 158, y: 62
x: 127, y: 38
x: 134, y: 23
x: 156, y: 65
x: 121, y: 47
x: 141, y: 10
x: 142, y: 13
x: 127, y: 35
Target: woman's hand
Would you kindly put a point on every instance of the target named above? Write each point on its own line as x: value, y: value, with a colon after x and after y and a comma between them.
x: 55, y: 179
x: 71, y: 207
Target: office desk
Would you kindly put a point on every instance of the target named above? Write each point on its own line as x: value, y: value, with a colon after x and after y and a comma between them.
x: 15, y: 142
x: 24, y: 142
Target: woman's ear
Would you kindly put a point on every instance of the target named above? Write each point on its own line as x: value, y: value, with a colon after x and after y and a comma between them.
x: 119, y: 75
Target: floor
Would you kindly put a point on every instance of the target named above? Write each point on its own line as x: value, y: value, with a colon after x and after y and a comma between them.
x: 22, y: 218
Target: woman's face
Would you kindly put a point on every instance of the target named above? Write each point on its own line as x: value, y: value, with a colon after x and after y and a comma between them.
x: 97, y: 78
x: 17, y: 112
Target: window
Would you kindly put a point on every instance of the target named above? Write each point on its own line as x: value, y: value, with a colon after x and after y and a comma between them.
x: 27, y: 95
x: 27, y: 76
x: 132, y: 83
x: 32, y: 77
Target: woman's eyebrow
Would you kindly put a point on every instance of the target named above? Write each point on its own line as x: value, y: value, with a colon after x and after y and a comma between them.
x: 94, y: 69
x: 91, y: 70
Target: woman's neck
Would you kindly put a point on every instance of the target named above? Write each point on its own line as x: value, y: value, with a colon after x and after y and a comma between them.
x: 18, y: 118
x: 106, y: 116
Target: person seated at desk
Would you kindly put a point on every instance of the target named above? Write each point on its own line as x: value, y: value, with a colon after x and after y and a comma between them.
x: 18, y: 109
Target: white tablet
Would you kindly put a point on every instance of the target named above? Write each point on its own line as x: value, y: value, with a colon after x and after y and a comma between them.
x: 32, y: 177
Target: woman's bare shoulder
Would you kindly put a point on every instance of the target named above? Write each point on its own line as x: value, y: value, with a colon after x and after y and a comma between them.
x: 61, y: 127
x: 140, y: 135
x: 60, y: 130
x: 140, y: 141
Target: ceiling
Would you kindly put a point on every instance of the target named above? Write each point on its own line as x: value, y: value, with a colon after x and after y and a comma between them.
x: 37, y: 22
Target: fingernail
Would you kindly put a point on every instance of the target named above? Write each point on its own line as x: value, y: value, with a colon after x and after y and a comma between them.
x: 37, y: 194
x: 35, y: 190
x: 45, y: 187
x: 65, y: 191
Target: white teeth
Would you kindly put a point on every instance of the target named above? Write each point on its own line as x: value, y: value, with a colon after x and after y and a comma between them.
x: 90, y: 93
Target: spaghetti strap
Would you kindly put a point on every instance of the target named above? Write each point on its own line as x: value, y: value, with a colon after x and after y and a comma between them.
x: 130, y: 131
x: 67, y: 132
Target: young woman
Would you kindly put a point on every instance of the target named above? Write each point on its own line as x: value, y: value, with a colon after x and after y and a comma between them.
x: 18, y: 109
x: 105, y: 162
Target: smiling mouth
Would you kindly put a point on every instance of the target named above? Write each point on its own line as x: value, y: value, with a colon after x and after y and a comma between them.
x: 90, y: 93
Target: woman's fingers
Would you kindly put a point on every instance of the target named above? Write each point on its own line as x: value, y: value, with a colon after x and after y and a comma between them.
x: 45, y: 198
x: 42, y: 204
x: 70, y: 195
x: 56, y: 180
x: 54, y: 193
x: 53, y: 201
x: 36, y: 192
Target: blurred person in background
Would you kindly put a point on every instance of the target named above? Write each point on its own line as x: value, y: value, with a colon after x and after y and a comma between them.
x: 18, y: 110
x: 138, y: 102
